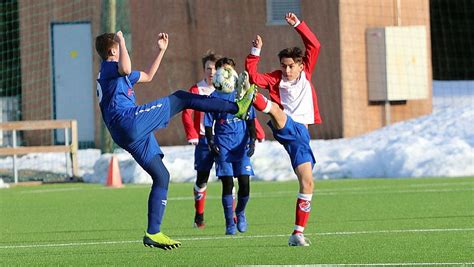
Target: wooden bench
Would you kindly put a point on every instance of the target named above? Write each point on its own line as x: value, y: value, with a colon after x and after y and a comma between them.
x: 68, y: 147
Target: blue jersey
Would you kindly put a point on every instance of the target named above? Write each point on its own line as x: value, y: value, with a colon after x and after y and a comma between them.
x: 230, y: 132
x: 114, y: 91
x: 130, y: 126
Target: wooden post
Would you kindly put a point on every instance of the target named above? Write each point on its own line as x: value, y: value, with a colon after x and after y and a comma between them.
x: 74, y: 147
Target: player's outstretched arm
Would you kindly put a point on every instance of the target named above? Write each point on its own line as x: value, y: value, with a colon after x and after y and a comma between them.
x: 311, y: 43
x: 124, y: 63
x: 251, y: 65
x: 147, y: 76
x: 257, y: 42
x: 292, y: 19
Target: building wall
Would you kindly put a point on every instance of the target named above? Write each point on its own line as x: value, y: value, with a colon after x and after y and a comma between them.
x: 360, y: 116
x: 195, y: 28
x: 228, y: 27
x: 340, y: 77
x: 323, y: 18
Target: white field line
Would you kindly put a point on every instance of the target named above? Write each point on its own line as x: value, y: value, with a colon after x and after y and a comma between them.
x: 284, y: 193
x: 52, y: 190
x: 319, y: 193
x: 239, y: 237
x: 350, y: 190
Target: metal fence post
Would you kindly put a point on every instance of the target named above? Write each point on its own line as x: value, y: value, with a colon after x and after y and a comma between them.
x: 15, y: 169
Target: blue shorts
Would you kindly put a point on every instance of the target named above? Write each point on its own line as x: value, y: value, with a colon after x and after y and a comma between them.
x: 234, y: 169
x: 133, y: 131
x: 295, y: 139
x: 203, y: 158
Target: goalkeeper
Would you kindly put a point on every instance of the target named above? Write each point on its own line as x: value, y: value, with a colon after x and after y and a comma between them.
x: 233, y: 143
x: 132, y: 126
x: 193, y: 122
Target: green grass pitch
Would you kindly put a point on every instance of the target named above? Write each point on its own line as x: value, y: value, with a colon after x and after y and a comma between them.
x: 419, y: 221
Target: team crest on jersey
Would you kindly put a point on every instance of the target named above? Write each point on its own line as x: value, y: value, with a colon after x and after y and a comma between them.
x: 305, y: 206
x: 130, y: 92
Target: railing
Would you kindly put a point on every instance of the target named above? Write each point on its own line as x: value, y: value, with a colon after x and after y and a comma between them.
x: 68, y: 147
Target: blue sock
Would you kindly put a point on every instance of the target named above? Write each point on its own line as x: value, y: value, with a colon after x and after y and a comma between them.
x: 156, y: 208
x: 227, y: 201
x: 158, y: 194
x: 241, y: 204
x: 180, y: 100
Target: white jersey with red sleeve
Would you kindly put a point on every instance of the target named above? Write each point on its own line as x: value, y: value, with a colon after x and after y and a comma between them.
x: 297, y: 98
x: 194, y: 126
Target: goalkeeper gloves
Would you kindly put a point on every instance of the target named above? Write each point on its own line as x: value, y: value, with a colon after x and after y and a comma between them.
x: 214, y: 148
x: 251, y: 148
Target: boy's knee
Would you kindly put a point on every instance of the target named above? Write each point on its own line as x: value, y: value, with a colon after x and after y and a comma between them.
x: 202, y: 178
x: 307, y: 185
x: 227, y: 185
x: 161, y: 180
x: 158, y: 172
x: 244, y: 186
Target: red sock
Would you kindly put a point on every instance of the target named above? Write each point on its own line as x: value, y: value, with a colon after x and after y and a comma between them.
x: 261, y: 103
x: 303, y: 208
x: 199, y: 199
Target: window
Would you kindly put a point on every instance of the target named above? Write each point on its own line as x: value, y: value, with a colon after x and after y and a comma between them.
x: 276, y: 10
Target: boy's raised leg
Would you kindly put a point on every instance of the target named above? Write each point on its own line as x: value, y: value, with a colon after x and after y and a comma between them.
x: 181, y: 100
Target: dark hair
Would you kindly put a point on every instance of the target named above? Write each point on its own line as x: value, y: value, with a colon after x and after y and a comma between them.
x: 209, y: 56
x: 292, y: 52
x: 225, y: 61
x: 103, y: 44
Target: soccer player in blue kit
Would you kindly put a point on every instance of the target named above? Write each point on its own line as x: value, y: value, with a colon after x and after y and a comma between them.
x: 131, y: 126
x: 233, y: 143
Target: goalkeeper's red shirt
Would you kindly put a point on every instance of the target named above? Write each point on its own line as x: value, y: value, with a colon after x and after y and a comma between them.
x: 297, y: 98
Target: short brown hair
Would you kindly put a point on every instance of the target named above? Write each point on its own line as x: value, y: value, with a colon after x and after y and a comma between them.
x: 103, y: 44
x: 292, y: 52
x: 209, y: 56
x: 225, y: 61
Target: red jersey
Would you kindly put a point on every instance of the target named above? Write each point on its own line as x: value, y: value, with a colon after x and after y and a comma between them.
x: 194, y: 127
x: 297, y: 98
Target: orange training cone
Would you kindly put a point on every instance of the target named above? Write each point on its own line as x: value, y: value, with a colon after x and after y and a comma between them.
x: 114, y: 179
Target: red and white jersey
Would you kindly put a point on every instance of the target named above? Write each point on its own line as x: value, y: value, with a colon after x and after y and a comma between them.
x: 297, y: 98
x: 194, y: 127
